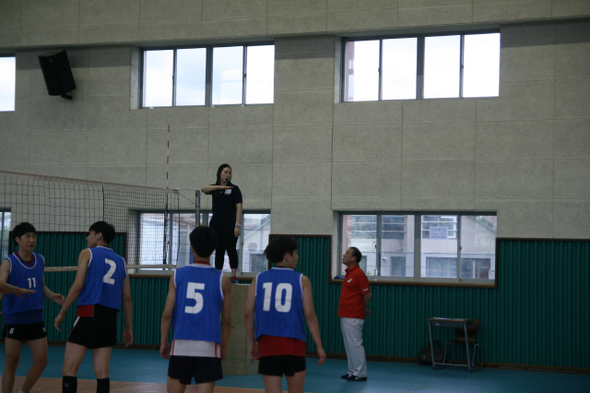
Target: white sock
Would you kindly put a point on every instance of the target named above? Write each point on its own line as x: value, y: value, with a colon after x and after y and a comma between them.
x: 21, y: 391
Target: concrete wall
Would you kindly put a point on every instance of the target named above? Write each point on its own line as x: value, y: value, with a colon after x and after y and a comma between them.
x: 525, y: 154
x: 77, y: 22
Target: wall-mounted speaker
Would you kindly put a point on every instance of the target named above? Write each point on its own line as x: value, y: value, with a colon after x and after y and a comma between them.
x: 57, y: 73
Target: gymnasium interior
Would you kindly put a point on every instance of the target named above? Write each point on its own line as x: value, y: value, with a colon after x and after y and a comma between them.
x: 448, y: 139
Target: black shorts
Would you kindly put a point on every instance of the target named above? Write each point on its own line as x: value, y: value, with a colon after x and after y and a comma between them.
x: 203, y: 370
x: 98, y: 331
x: 279, y: 365
x: 25, y: 331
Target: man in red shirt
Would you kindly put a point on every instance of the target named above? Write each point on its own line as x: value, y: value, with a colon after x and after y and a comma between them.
x: 352, y: 309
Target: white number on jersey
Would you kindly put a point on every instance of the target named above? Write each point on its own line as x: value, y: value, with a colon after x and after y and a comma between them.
x: 108, y: 278
x: 282, y: 297
x: 33, y: 283
x: 191, y: 293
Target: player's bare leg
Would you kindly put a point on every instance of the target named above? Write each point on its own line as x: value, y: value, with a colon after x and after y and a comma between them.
x: 272, y: 383
x: 296, y: 382
x: 39, y: 350
x: 12, y: 348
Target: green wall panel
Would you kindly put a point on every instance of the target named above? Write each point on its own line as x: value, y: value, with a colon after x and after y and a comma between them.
x: 538, y: 315
x: 148, y: 296
x: 59, y: 282
x: 62, y: 249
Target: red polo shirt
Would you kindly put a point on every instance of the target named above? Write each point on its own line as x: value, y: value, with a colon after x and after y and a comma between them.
x: 354, y: 286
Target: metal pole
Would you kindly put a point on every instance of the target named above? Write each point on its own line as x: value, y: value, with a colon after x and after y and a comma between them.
x: 198, y: 208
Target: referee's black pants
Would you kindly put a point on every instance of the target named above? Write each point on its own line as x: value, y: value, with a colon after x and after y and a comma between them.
x: 226, y: 241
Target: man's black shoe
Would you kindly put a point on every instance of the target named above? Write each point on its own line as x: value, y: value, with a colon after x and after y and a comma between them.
x: 345, y: 376
x: 356, y: 379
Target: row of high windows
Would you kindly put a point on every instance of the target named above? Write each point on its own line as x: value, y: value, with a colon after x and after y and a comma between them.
x: 402, y: 68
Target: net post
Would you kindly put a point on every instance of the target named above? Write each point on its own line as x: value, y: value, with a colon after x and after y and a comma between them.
x: 198, y: 208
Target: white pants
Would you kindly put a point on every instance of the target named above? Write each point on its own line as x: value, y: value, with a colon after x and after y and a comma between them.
x: 352, y: 331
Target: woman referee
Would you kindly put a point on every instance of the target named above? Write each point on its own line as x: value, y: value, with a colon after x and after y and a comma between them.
x: 227, y: 218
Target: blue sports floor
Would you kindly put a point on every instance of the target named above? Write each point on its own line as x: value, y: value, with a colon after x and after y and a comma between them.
x: 130, y: 365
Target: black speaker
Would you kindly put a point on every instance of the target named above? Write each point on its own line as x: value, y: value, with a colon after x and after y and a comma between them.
x: 57, y: 73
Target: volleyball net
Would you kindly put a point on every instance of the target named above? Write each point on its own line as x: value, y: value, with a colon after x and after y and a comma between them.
x: 63, y: 209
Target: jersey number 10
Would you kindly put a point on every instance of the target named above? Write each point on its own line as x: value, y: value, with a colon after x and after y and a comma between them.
x: 283, y: 296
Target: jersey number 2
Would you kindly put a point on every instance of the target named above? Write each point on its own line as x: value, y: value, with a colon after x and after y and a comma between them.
x: 108, y: 278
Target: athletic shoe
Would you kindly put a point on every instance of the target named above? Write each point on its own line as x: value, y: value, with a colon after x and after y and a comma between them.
x: 345, y: 376
x: 356, y: 379
x: 234, y: 280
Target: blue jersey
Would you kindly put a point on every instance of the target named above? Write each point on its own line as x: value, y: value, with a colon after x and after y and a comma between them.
x: 279, y: 304
x: 20, y: 310
x: 199, y: 299
x: 104, y: 279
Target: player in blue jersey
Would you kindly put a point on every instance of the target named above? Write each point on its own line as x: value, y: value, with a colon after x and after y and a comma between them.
x: 278, y: 302
x: 101, y: 285
x: 198, y: 295
x: 12, y: 290
x: 23, y: 317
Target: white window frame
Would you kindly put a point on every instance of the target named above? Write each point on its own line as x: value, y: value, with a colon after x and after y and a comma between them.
x: 378, y: 271
x: 5, y: 217
x: 208, y: 74
x: 7, y: 84
x: 420, y: 64
x: 179, y: 237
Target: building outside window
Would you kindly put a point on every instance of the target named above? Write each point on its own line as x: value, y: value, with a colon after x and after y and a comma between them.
x: 168, y: 241
x: 425, y: 247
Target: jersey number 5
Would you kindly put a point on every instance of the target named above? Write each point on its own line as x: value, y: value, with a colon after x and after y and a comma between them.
x: 282, y: 297
x: 191, y: 293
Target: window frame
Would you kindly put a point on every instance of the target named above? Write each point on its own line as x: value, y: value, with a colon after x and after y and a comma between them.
x: 13, y: 56
x: 421, y: 38
x: 203, y: 219
x: 208, y: 73
x: 5, y: 215
x: 337, y: 269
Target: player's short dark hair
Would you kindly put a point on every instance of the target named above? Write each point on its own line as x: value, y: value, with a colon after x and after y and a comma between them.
x: 277, y: 248
x: 107, y: 230
x: 21, y: 229
x: 203, y: 241
x: 357, y: 254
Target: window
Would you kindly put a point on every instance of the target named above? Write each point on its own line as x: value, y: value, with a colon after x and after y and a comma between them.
x: 423, y: 67
x: 255, y: 232
x: 7, y: 83
x: 4, y: 232
x: 172, y: 246
x: 224, y: 75
x: 441, y: 226
x: 425, y: 248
